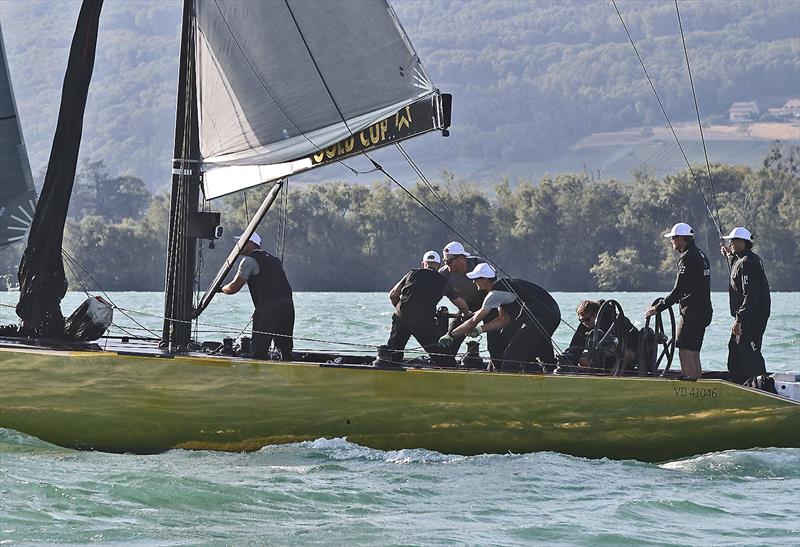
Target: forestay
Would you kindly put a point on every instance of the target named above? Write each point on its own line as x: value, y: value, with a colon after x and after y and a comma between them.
x: 281, y: 81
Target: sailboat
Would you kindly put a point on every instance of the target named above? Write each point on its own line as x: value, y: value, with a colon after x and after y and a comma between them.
x: 266, y: 90
x: 17, y: 194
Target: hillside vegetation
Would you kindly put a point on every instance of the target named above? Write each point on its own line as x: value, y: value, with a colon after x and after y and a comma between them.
x: 530, y: 78
x: 565, y: 232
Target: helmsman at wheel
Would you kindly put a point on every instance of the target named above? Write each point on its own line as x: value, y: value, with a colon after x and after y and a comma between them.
x: 693, y: 291
x: 527, y: 318
x: 272, y: 297
x: 750, y: 306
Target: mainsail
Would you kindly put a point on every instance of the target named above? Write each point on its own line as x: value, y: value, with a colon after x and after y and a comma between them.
x: 17, y: 194
x: 287, y: 85
x: 277, y: 87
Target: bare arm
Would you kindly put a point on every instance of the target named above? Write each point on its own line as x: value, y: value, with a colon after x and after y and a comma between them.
x: 234, y: 286
x: 471, y: 323
x: 394, y: 294
x: 502, y: 320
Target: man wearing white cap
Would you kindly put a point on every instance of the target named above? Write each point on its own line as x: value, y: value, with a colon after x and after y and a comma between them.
x: 272, y: 298
x: 415, y: 298
x: 527, y: 318
x: 457, y: 263
x: 750, y: 305
x: 693, y: 291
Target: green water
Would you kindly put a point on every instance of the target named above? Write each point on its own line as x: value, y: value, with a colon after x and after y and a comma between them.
x: 336, y: 492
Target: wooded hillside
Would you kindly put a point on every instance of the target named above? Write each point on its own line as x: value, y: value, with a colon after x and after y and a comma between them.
x: 530, y: 78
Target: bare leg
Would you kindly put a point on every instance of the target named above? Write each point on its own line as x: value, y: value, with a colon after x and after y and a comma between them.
x: 697, y: 368
x: 690, y: 363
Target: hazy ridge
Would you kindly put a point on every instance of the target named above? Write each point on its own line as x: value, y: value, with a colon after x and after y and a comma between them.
x: 530, y: 79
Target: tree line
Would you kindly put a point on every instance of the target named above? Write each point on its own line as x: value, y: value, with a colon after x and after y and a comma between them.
x: 565, y: 232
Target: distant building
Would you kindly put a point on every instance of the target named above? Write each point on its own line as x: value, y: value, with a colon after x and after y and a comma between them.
x: 744, y: 112
x: 788, y: 111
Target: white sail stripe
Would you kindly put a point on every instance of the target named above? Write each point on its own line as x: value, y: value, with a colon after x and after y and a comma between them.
x: 19, y: 228
x: 21, y: 220
x: 12, y: 239
x: 24, y: 212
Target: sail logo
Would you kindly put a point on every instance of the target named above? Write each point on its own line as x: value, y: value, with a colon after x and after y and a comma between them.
x: 396, y: 127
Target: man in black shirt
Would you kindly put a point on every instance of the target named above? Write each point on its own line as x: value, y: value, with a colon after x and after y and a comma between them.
x: 527, y: 318
x: 272, y: 297
x: 414, y: 298
x: 693, y: 291
x: 750, y: 305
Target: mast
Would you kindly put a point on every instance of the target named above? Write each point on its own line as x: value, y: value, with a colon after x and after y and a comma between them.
x: 186, y: 179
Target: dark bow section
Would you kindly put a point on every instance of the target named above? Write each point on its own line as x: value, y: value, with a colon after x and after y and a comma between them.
x: 41, y: 271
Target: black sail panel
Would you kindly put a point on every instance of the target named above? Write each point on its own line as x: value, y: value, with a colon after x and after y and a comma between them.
x: 17, y: 195
x: 41, y: 272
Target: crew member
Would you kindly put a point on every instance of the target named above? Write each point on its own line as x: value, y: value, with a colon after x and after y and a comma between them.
x: 415, y: 298
x: 527, y: 318
x: 272, y: 297
x: 457, y: 264
x: 693, y: 291
x: 750, y: 305
x: 587, y: 312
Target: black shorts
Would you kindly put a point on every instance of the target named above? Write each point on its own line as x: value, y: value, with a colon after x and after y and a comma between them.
x: 690, y: 334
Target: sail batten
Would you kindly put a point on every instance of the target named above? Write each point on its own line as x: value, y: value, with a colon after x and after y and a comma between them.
x: 282, y: 80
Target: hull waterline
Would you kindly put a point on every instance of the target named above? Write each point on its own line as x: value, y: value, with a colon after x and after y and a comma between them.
x: 118, y: 402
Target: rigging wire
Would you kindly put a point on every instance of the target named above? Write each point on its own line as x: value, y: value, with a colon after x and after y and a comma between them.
x: 666, y: 117
x: 699, y: 123
x: 274, y: 101
x: 105, y: 294
x: 378, y: 167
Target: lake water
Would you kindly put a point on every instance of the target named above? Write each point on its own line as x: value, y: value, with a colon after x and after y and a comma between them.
x: 336, y: 492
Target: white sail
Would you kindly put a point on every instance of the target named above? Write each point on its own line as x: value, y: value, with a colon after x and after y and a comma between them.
x: 281, y: 80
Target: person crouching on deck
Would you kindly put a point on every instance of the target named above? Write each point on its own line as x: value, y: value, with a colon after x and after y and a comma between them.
x: 522, y: 332
x: 414, y: 298
x: 693, y: 291
x: 272, y: 297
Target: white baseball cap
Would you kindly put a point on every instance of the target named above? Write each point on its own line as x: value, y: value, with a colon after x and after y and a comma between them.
x: 680, y: 229
x: 482, y: 270
x: 740, y: 232
x: 454, y: 248
x: 255, y: 238
x: 431, y: 256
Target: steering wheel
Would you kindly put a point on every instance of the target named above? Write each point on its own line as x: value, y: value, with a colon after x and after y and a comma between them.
x: 654, y: 344
x: 608, y: 339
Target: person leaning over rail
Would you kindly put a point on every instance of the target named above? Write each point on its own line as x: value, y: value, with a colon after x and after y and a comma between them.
x: 414, y: 298
x: 693, y: 290
x: 750, y: 306
x: 457, y: 264
x: 522, y: 332
x: 273, y: 317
